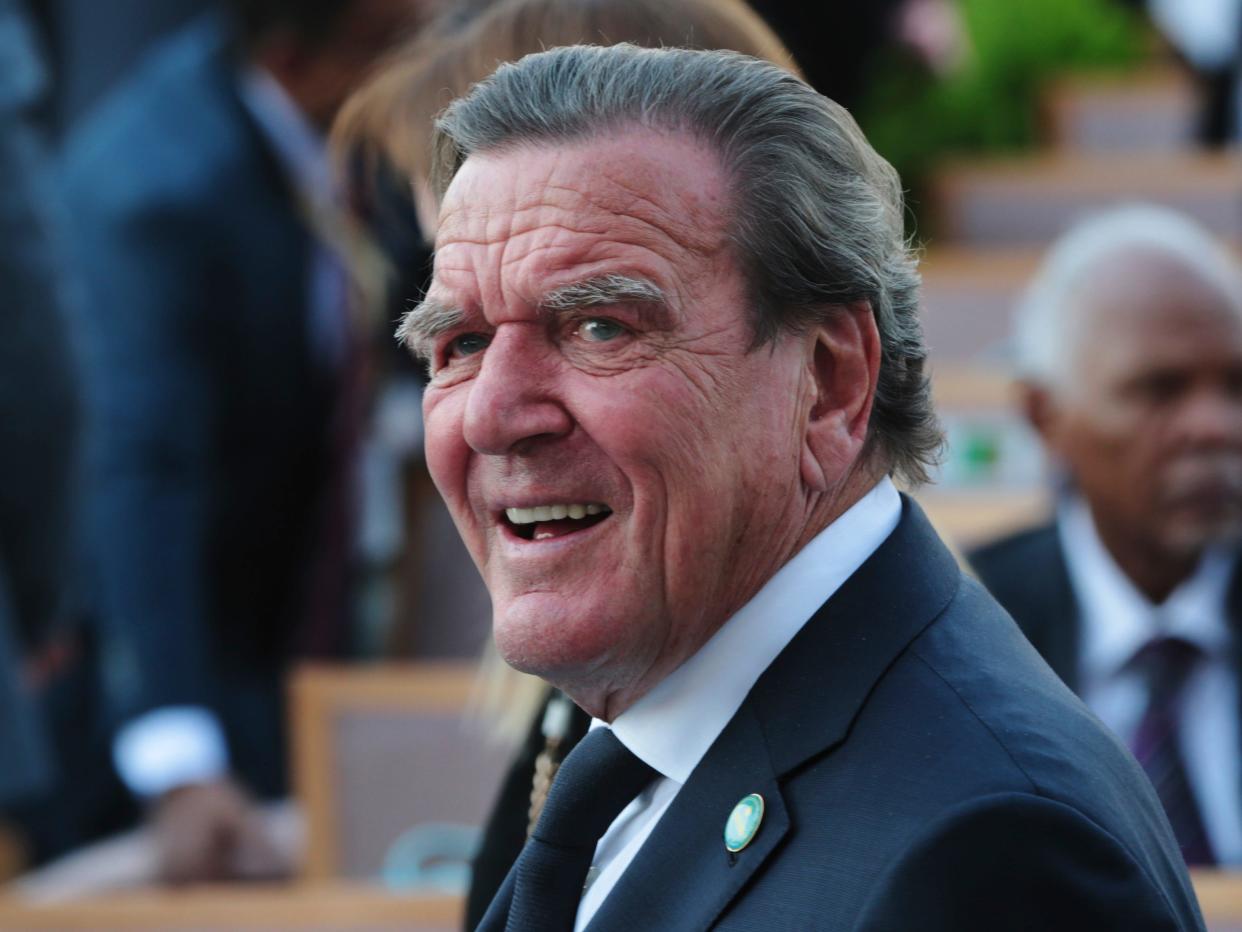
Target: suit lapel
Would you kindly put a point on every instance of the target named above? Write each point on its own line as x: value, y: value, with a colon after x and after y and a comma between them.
x: 1058, y: 610
x: 808, y: 699
x: 684, y: 876
x: 802, y: 706
x: 497, y: 914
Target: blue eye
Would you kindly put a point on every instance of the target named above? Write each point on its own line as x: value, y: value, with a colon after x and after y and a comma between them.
x: 600, y: 330
x: 467, y: 344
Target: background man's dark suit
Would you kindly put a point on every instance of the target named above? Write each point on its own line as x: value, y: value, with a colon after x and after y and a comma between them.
x: 921, y: 768
x: 1026, y: 573
x: 208, y: 416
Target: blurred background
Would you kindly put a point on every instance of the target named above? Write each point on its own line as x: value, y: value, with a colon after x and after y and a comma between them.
x: 244, y: 662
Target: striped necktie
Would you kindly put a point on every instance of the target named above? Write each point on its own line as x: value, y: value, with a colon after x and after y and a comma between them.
x: 1166, y: 664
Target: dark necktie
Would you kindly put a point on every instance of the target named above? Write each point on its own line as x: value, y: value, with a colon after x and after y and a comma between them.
x: 598, y: 779
x: 1166, y: 664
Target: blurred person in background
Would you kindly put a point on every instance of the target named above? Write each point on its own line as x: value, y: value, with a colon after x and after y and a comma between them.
x: 1207, y: 36
x: 89, y: 46
x: 837, y: 44
x: 221, y: 372
x: 388, y: 122
x: 38, y: 407
x: 1130, y: 350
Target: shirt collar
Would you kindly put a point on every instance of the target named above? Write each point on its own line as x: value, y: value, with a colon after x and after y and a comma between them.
x: 672, y: 726
x: 298, y: 145
x: 1118, y: 619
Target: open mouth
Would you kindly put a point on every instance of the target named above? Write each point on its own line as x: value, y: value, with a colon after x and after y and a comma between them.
x: 547, y: 521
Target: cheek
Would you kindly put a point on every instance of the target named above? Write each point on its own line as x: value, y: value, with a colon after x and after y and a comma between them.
x: 648, y: 419
x: 713, y: 459
x: 1124, y: 469
x: 444, y: 445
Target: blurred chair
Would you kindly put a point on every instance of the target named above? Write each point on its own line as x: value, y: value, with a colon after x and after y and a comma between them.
x: 1220, y: 898
x: 432, y: 858
x: 378, y: 751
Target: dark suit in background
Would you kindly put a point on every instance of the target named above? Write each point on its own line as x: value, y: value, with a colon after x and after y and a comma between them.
x: 37, y: 412
x: 208, y: 418
x: 833, y: 43
x: 1026, y: 572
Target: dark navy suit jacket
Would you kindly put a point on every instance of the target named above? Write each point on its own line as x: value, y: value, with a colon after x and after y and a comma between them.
x: 208, y: 417
x: 922, y: 769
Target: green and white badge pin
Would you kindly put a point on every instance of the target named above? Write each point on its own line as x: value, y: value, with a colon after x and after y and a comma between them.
x: 743, y: 822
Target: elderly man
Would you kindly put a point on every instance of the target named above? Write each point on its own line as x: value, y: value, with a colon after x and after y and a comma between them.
x: 675, y: 355
x: 1130, y: 340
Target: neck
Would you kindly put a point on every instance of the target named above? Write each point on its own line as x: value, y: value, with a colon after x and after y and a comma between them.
x: 608, y: 700
x: 1155, y: 571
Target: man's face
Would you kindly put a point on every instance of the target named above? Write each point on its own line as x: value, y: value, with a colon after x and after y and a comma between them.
x: 595, y: 360
x: 1153, y: 432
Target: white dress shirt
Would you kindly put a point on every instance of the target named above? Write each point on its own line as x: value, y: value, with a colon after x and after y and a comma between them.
x: 175, y: 746
x: 673, y: 725
x: 1117, y: 620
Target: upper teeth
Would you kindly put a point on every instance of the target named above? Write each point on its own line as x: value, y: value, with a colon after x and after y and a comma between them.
x: 551, y: 513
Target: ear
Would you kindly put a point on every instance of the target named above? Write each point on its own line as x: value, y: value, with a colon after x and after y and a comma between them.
x: 1043, y: 412
x: 843, y: 365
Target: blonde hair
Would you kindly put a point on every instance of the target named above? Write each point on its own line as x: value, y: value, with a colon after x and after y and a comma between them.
x: 390, y: 117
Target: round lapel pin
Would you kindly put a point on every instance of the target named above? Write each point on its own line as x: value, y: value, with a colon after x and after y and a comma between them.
x: 743, y: 822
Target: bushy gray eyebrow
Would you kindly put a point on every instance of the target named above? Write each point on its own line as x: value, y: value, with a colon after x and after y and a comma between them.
x: 613, y: 288
x: 424, y: 322
x: 427, y: 320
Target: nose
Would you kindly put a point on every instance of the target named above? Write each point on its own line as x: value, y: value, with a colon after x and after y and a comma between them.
x: 514, y: 401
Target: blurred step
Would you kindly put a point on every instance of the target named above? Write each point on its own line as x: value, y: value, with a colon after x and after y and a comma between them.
x: 1029, y: 201
x: 968, y: 298
x: 992, y: 477
x: 1152, y: 111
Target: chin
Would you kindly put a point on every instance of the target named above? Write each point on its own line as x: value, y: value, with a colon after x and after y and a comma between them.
x: 1190, y: 536
x: 536, y: 635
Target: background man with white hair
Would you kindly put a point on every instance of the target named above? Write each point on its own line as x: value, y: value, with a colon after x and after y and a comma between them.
x: 1130, y: 346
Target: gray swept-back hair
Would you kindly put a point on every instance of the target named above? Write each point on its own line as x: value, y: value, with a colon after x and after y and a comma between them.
x: 816, y: 217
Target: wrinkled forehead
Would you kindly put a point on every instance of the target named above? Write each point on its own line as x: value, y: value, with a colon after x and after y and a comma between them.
x: 633, y: 182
